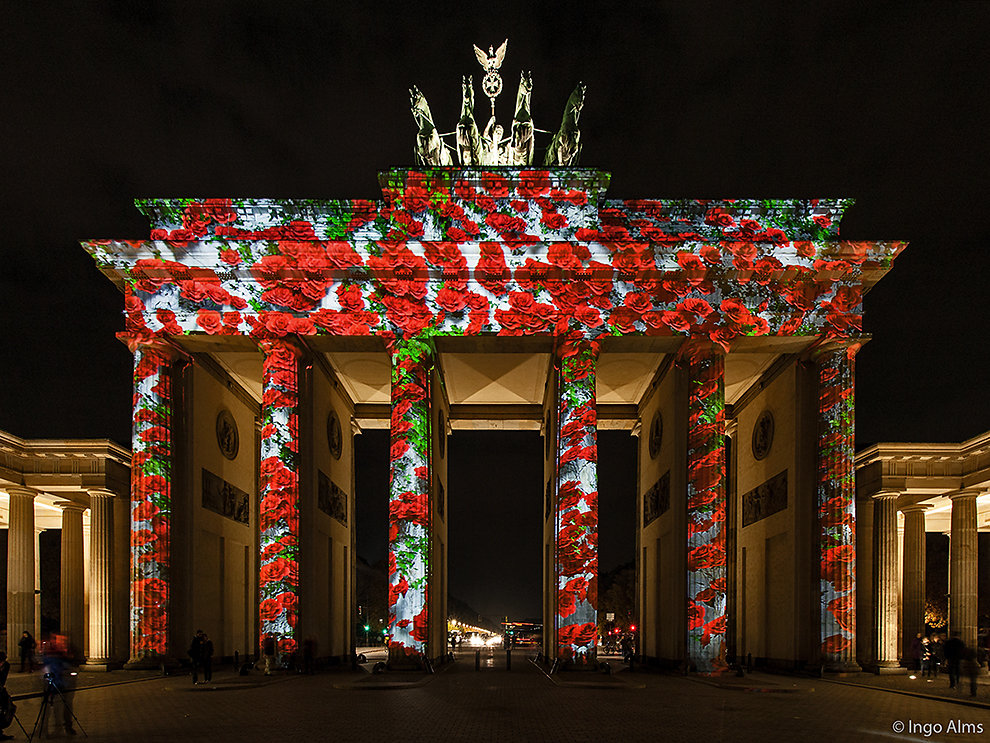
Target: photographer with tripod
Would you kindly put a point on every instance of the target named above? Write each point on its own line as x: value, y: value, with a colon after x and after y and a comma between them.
x: 7, y: 707
x: 57, y: 687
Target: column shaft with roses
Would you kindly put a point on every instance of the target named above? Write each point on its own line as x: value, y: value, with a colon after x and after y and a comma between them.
x: 409, y: 516
x: 576, y: 522
x: 151, y: 503
x: 706, y: 560
x: 837, y: 505
x: 279, y: 511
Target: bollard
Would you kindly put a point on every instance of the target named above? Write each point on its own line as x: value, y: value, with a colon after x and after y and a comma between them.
x: 477, y: 660
x: 508, y: 658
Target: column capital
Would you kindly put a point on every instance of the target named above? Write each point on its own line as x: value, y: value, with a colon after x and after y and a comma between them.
x: 21, y: 491
x: 144, y: 342
x: 886, y: 494
x: 916, y: 507
x: 965, y: 493
x: 826, y: 345
x: 101, y: 493
x: 68, y: 505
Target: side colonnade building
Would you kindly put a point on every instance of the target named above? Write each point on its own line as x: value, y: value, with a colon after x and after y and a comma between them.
x: 80, y: 487
x: 266, y: 333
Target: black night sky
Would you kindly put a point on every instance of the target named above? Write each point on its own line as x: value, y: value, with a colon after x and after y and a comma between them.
x: 886, y: 103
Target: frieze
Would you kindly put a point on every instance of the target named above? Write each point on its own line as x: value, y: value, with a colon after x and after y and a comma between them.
x: 225, y: 499
x: 332, y: 500
x: 765, y: 500
x: 656, y: 500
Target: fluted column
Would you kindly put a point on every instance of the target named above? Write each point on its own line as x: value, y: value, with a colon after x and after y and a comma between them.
x: 886, y: 584
x: 72, y: 598
x: 409, y: 512
x: 576, y: 517
x: 837, y: 505
x: 100, y: 577
x: 706, y: 562
x: 21, y: 561
x: 963, y: 566
x: 279, y: 468
x: 151, y: 505
x: 913, y: 576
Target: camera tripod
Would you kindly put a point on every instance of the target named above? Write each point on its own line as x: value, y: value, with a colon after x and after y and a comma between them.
x: 47, y: 701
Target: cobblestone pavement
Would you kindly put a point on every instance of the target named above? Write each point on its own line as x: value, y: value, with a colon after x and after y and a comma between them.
x: 460, y: 704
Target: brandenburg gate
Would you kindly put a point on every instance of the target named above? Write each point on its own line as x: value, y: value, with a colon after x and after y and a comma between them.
x: 267, y: 332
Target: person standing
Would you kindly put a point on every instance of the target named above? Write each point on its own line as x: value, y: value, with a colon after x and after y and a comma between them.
x: 268, y: 649
x: 927, y: 657
x: 196, y: 655
x: 26, y: 645
x: 916, y: 651
x: 954, y: 650
x: 206, y: 658
x: 971, y: 667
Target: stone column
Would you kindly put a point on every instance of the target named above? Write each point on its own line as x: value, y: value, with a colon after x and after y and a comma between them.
x: 963, y: 566
x: 409, y: 512
x: 151, y: 509
x: 837, y: 505
x: 21, y: 561
x: 100, y: 577
x: 72, y: 600
x: 576, y: 515
x: 913, y: 575
x: 706, y: 525
x: 886, y: 582
x: 279, y: 495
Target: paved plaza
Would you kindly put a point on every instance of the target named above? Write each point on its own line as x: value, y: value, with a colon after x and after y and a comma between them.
x: 524, y: 704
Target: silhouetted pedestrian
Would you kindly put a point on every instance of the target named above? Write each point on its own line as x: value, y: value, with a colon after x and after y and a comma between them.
x: 206, y: 658
x: 58, y: 687
x: 26, y: 645
x: 954, y: 650
x: 927, y: 657
x: 916, y: 648
x: 7, y: 707
x: 196, y: 655
x: 971, y: 667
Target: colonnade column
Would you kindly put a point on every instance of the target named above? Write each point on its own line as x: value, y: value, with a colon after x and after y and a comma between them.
x: 150, y: 507
x: 100, y: 577
x: 913, y: 575
x: 21, y: 561
x: 963, y: 566
x: 706, y: 525
x: 279, y: 495
x: 837, y: 506
x: 409, y: 503
x: 576, y: 516
x: 71, y: 601
x: 886, y: 581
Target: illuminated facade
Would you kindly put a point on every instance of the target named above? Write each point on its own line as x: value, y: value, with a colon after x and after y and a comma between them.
x: 683, y: 320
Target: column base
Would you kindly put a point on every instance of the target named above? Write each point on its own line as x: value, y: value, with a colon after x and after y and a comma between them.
x: 843, y: 667
x: 889, y: 668
x: 100, y: 666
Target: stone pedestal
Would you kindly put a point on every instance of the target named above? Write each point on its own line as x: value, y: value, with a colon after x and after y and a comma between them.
x: 913, y: 575
x: 963, y: 566
x: 21, y: 562
x: 72, y: 600
x: 886, y: 582
x: 100, y: 655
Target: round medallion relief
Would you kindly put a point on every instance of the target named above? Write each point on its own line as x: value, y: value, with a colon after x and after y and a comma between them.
x: 656, y: 435
x: 763, y: 435
x: 227, y: 438
x: 335, y: 440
